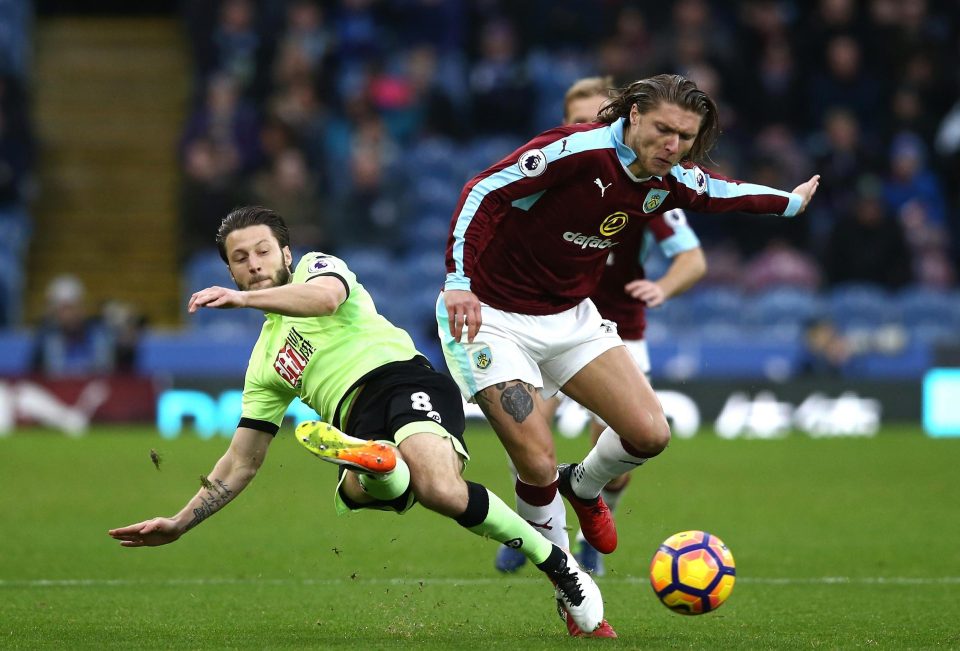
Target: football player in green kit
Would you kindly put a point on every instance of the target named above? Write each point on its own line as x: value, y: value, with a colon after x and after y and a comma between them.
x: 324, y: 342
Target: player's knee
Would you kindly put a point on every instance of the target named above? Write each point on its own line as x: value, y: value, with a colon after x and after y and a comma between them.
x: 648, y: 440
x: 660, y: 438
x: 444, y: 494
x: 538, y: 470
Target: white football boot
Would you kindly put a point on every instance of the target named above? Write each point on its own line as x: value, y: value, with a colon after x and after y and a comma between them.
x: 579, y: 594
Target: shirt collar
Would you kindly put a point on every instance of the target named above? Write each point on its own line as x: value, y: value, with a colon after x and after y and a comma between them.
x: 626, y: 155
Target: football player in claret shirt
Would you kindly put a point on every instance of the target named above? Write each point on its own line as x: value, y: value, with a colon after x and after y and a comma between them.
x: 621, y: 297
x: 324, y: 342
x: 527, y: 246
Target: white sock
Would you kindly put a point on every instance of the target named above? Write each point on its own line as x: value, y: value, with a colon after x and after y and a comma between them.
x: 544, y: 509
x: 605, y: 461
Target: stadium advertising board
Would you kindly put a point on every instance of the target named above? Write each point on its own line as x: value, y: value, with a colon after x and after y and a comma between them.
x: 941, y: 402
x: 72, y: 405
x: 745, y: 410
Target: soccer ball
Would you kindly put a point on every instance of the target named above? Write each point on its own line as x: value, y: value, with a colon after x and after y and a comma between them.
x: 692, y: 572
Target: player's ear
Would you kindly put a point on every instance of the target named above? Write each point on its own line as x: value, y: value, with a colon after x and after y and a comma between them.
x: 287, y: 257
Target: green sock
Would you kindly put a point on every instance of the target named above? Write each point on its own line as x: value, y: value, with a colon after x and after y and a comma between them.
x: 387, y: 486
x: 488, y: 516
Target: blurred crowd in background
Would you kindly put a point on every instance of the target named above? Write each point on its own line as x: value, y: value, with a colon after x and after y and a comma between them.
x: 360, y: 120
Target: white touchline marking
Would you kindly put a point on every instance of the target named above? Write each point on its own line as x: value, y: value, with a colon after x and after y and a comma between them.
x: 608, y: 580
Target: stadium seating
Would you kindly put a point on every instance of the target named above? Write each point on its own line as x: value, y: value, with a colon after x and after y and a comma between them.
x: 433, y: 195
x: 683, y: 358
x: 16, y: 352
x: 11, y: 287
x: 855, y: 306
x: 716, y: 305
x: 435, y: 158
x: 788, y: 306
x: 925, y: 306
x: 197, y: 353
x: 484, y: 152
x: 428, y: 235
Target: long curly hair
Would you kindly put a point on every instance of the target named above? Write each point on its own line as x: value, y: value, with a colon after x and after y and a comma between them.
x: 648, y: 94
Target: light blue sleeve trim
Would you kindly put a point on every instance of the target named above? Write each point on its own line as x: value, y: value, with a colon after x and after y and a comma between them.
x: 684, y: 239
x: 793, y: 207
x: 456, y: 281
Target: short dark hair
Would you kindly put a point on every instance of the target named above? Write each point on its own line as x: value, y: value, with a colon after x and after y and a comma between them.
x: 251, y: 216
x: 649, y: 93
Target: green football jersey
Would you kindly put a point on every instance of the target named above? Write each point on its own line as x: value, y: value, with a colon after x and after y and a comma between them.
x: 319, y: 358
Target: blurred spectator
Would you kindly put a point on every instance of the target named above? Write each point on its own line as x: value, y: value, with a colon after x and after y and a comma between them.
x: 228, y: 123
x: 297, y: 110
x: 287, y: 188
x: 694, y: 35
x: 929, y: 247
x: 126, y: 326
x: 208, y: 191
x: 70, y: 342
x: 17, y: 152
x: 827, y: 350
x: 435, y: 111
x: 391, y: 95
x: 361, y: 38
x: 841, y: 155
x: 220, y: 144
x: 308, y: 32
x: 778, y: 95
x: 634, y: 33
x: 869, y: 244
x: 236, y: 42
x: 370, y: 213
x: 724, y: 264
x: 911, y: 180
x: 781, y: 265
x: 501, y: 91
x: 845, y: 82
x: 829, y: 19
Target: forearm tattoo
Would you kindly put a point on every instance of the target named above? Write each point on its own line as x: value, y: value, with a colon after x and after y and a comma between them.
x: 216, y: 496
x: 517, y: 400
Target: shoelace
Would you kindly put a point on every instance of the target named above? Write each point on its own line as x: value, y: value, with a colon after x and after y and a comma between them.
x: 568, y: 583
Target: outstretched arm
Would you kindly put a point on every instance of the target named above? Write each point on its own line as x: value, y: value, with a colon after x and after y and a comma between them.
x: 317, y: 297
x: 686, y: 269
x: 235, y: 469
x: 710, y: 192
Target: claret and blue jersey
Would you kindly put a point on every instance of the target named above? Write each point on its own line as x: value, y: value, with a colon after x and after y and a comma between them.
x: 531, y: 234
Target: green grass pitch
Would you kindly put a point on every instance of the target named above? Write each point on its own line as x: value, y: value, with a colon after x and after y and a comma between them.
x: 849, y: 543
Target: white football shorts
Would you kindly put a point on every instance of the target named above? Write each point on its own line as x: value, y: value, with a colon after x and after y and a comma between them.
x: 544, y: 351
